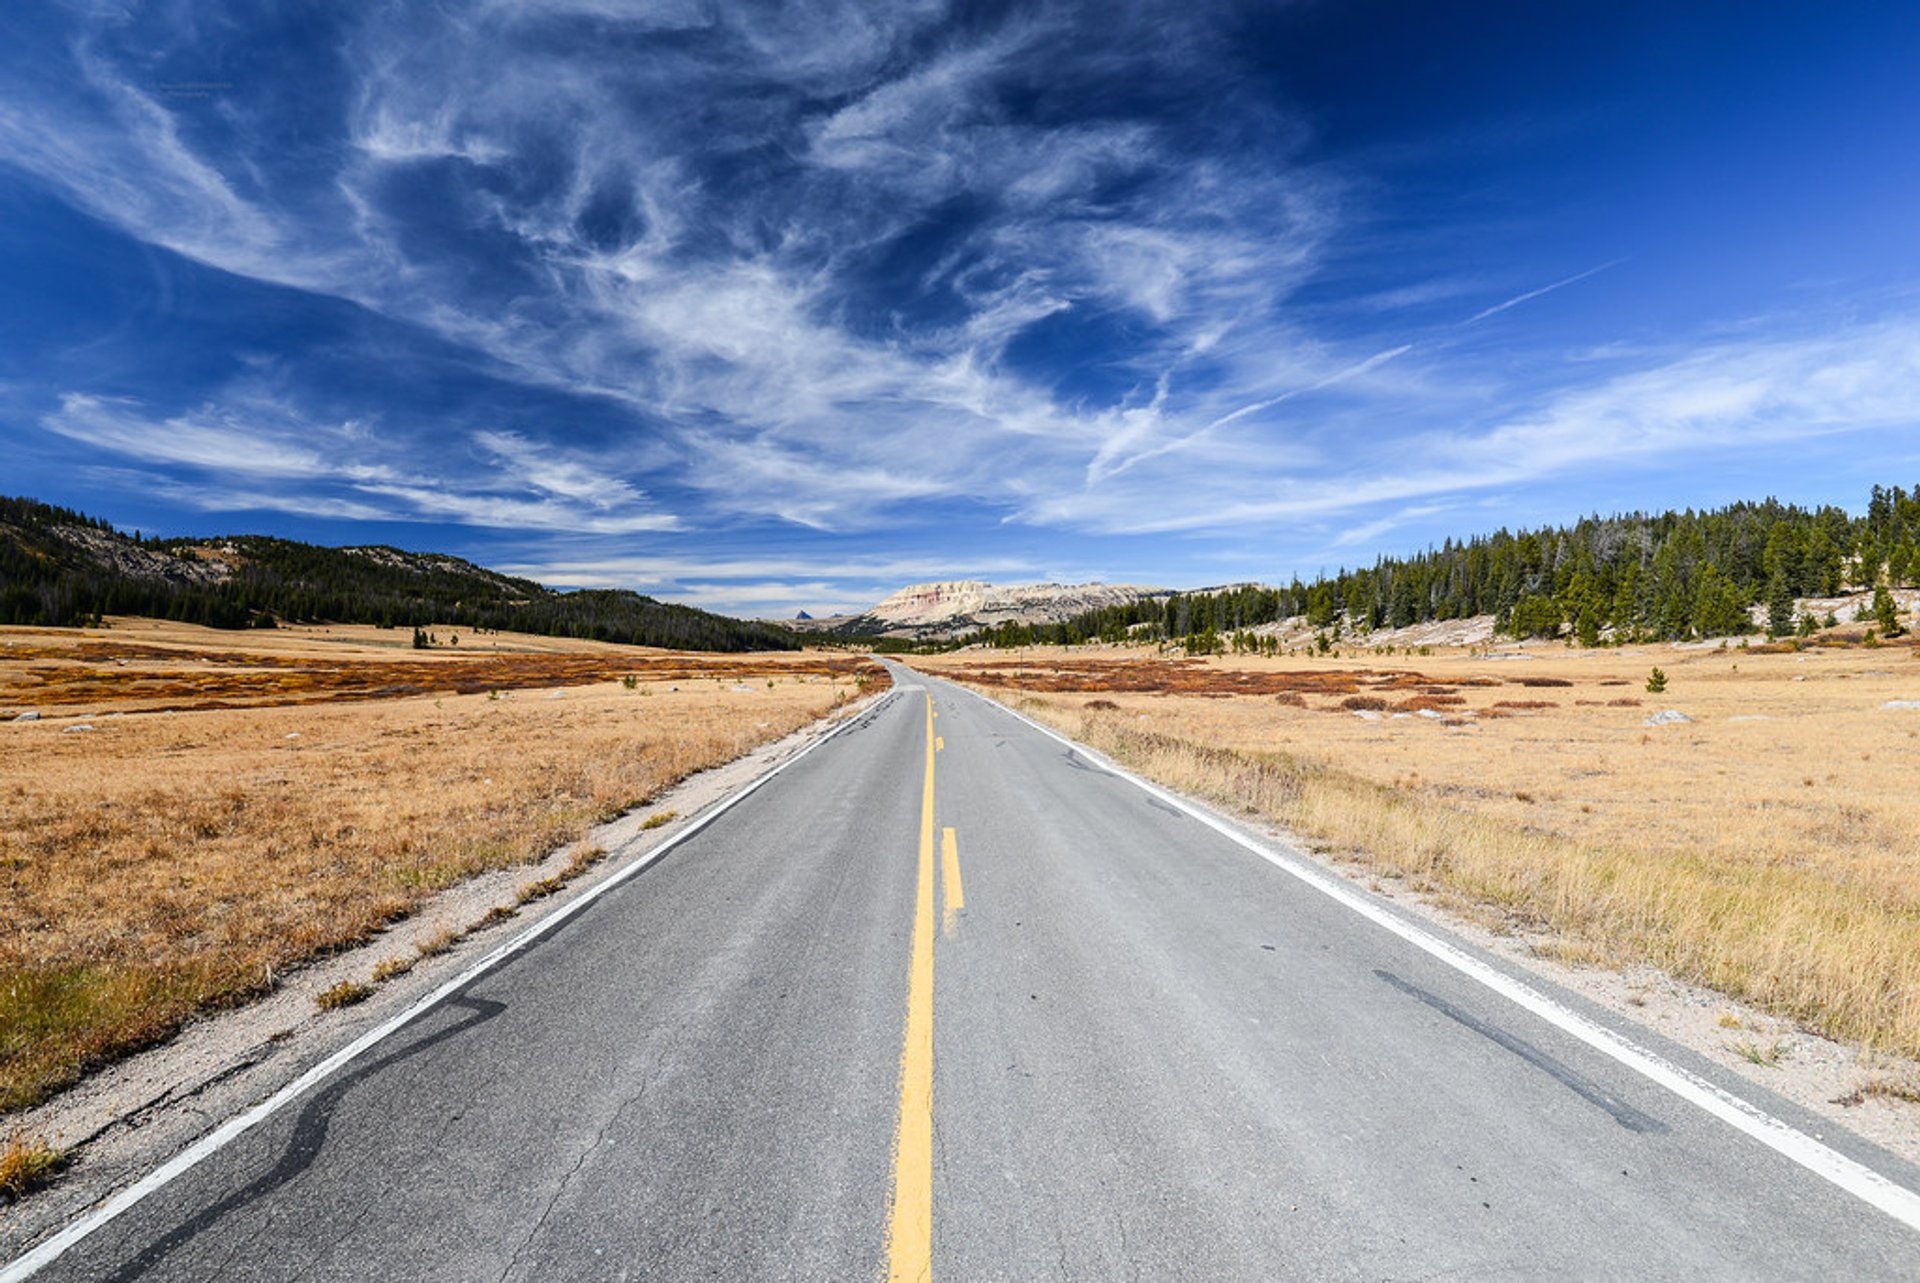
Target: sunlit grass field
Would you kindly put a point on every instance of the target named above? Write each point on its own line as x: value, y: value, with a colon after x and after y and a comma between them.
x: 315, y: 787
x: 1770, y: 848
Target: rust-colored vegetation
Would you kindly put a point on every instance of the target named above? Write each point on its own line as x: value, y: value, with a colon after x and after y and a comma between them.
x: 150, y: 678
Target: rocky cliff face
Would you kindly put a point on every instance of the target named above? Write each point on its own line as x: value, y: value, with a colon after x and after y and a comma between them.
x: 953, y: 606
x: 121, y: 556
x: 919, y: 605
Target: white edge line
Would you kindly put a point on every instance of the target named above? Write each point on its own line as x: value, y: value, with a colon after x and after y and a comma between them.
x: 50, y: 1250
x: 1822, y: 1160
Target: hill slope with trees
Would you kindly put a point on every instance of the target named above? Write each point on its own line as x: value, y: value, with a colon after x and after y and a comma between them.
x: 60, y: 567
x: 1637, y: 576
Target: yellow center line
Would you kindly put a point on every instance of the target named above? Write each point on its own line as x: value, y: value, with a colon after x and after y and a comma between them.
x: 910, y: 1220
x: 950, y: 877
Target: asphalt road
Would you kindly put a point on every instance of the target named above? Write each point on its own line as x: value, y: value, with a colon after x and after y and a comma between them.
x: 1149, y: 1053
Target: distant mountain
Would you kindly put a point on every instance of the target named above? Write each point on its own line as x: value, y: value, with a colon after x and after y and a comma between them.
x: 922, y: 612
x: 61, y: 567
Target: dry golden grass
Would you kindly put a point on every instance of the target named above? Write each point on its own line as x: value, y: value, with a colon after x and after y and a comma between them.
x: 1769, y: 849
x: 25, y: 1163
x: 165, y: 863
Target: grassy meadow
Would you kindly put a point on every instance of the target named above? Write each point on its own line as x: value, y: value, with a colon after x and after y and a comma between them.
x: 240, y: 803
x: 1769, y: 848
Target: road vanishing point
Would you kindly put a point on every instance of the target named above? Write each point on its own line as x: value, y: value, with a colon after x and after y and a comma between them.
x: 949, y: 996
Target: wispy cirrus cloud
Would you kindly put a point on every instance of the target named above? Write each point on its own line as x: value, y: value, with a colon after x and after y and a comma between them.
x: 1748, y: 393
x: 696, y: 232
x: 222, y: 453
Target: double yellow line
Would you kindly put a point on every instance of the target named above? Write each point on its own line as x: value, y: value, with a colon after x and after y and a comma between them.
x: 910, y: 1220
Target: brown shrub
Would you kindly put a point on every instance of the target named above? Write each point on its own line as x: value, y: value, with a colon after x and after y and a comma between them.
x: 1541, y: 681
x: 1101, y: 706
x: 1525, y: 703
x: 1624, y: 701
x: 1359, y: 702
x: 1429, y: 703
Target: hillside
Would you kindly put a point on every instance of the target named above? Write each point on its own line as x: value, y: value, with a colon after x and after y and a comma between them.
x: 61, y: 567
x: 1635, y: 576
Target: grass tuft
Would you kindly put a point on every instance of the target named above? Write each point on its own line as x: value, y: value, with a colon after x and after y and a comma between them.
x: 1754, y: 1053
x: 541, y: 889
x: 27, y: 1163
x: 344, y: 994
x: 658, y: 821
x: 439, y: 942
x: 388, y: 968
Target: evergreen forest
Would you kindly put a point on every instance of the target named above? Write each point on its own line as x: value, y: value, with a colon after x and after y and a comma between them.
x: 1637, y: 577
x: 60, y: 567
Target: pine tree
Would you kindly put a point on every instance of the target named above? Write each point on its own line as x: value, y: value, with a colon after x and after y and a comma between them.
x: 1779, y: 605
x: 1588, y: 626
x: 1656, y: 682
x: 1886, y: 613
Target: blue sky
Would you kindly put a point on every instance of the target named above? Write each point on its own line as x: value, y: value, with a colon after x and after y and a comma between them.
x: 767, y: 308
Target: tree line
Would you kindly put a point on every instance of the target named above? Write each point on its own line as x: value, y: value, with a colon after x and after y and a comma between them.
x: 48, y: 579
x: 1633, y: 577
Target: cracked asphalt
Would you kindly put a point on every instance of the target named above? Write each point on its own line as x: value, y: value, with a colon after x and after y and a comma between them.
x: 1154, y: 1057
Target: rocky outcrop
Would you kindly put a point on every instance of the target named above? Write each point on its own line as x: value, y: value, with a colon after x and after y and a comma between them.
x: 129, y: 560
x: 950, y: 607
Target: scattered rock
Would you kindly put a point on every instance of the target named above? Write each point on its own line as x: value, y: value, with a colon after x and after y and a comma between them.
x: 293, y: 735
x: 1751, y: 717
x: 81, y: 726
x: 1902, y: 703
x: 556, y: 694
x: 1367, y: 714
x: 1432, y: 713
x: 1667, y: 717
x: 29, y: 716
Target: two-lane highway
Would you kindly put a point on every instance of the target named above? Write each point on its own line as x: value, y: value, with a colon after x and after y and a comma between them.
x: 948, y: 996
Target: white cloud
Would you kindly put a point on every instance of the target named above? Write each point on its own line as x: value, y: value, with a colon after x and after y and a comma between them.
x: 345, y: 469
x: 1749, y: 393
x: 255, y: 437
